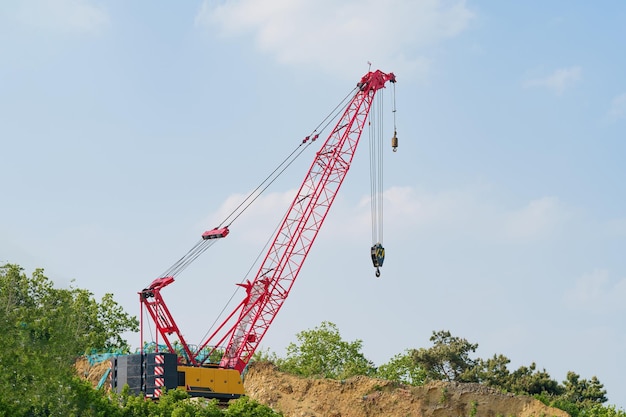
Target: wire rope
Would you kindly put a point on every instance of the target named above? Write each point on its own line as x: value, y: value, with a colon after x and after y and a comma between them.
x: 322, y: 126
x: 380, y: 171
x: 376, y: 131
x: 149, y: 327
x: 201, y: 246
x: 245, y: 277
x: 255, y: 194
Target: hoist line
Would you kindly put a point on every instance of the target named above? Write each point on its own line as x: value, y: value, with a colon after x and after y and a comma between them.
x: 394, y: 107
x: 376, y: 132
x: 372, y: 150
x: 273, y: 176
x: 144, y: 311
x: 198, y: 249
x: 335, y: 112
x: 245, y: 277
x: 269, y: 180
x: 325, y: 122
x: 381, y: 171
x: 203, y: 244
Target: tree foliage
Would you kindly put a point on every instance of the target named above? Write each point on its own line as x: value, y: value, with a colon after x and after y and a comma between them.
x: 246, y: 407
x: 579, y: 390
x: 529, y: 380
x: 321, y: 352
x: 402, y: 368
x: 524, y: 380
x: 448, y: 359
x: 176, y: 403
x: 494, y: 371
x: 44, y: 330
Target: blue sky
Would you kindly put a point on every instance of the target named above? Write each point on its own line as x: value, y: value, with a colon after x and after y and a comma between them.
x: 129, y: 128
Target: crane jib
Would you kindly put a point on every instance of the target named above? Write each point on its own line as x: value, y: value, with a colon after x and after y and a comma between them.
x: 300, y: 226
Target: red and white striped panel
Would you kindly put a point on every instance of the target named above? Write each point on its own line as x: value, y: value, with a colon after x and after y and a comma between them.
x: 159, y: 380
x: 158, y: 386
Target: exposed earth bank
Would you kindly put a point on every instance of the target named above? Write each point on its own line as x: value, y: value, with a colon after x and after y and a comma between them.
x: 366, y: 397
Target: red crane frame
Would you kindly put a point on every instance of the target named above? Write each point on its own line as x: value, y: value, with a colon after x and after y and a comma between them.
x: 266, y: 294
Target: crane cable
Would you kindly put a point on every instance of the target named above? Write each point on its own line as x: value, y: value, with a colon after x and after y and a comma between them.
x: 273, y: 176
x: 203, y: 244
x: 376, y: 131
x: 326, y: 122
x: 376, y: 183
x: 394, y: 139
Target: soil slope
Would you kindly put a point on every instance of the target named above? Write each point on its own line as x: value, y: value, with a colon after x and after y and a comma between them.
x: 367, y: 397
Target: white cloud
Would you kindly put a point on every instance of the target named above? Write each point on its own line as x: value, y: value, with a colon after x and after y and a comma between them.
x: 618, y: 107
x: 468, y: 213
x: 558, y: 81
x: 453, y: 209
x: 596, y: 292
x: 256, y: 223
x: 341, y: 37
x: 539, y: 218
x: 63, y: 16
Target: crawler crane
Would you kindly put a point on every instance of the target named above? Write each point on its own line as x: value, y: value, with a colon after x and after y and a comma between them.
x: 236, y: 339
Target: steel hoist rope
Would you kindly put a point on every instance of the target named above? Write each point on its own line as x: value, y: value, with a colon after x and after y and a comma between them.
x: 252, y: 197
x: 203, y: 244
x: 376, y: 132
x: 376, y: 129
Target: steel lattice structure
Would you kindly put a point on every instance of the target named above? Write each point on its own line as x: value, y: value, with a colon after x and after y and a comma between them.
x: 246, y: 326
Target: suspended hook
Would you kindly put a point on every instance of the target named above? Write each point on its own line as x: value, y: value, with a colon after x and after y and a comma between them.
x: 378, y: 257
x: 394, y: 141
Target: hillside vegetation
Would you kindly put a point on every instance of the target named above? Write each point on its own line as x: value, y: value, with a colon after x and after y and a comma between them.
x: 47, y: 329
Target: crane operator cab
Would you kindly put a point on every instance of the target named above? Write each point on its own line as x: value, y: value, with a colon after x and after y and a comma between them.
x: 378, y: 257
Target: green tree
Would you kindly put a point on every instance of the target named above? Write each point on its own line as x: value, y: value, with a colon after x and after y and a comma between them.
x: 322, y: 353
x: 584, y: 391
x: 448, y: 359
x: 598, y: 410
x: 176, y: 403
x: 402, y: 368
x: 246, y: 407
x: 494, y: 371
x: 529, y: 380
x: 265, y: 355
x: 44, y: 330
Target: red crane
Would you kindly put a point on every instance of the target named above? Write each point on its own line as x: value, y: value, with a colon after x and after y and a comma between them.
x: 244, y: 328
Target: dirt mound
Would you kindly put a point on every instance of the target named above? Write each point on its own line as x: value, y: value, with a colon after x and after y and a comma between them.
x: 368, y: 397
x: 92, y: 372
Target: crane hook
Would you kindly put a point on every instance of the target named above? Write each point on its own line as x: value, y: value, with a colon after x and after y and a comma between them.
x: 394, y: 142
x: 378, y: 257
